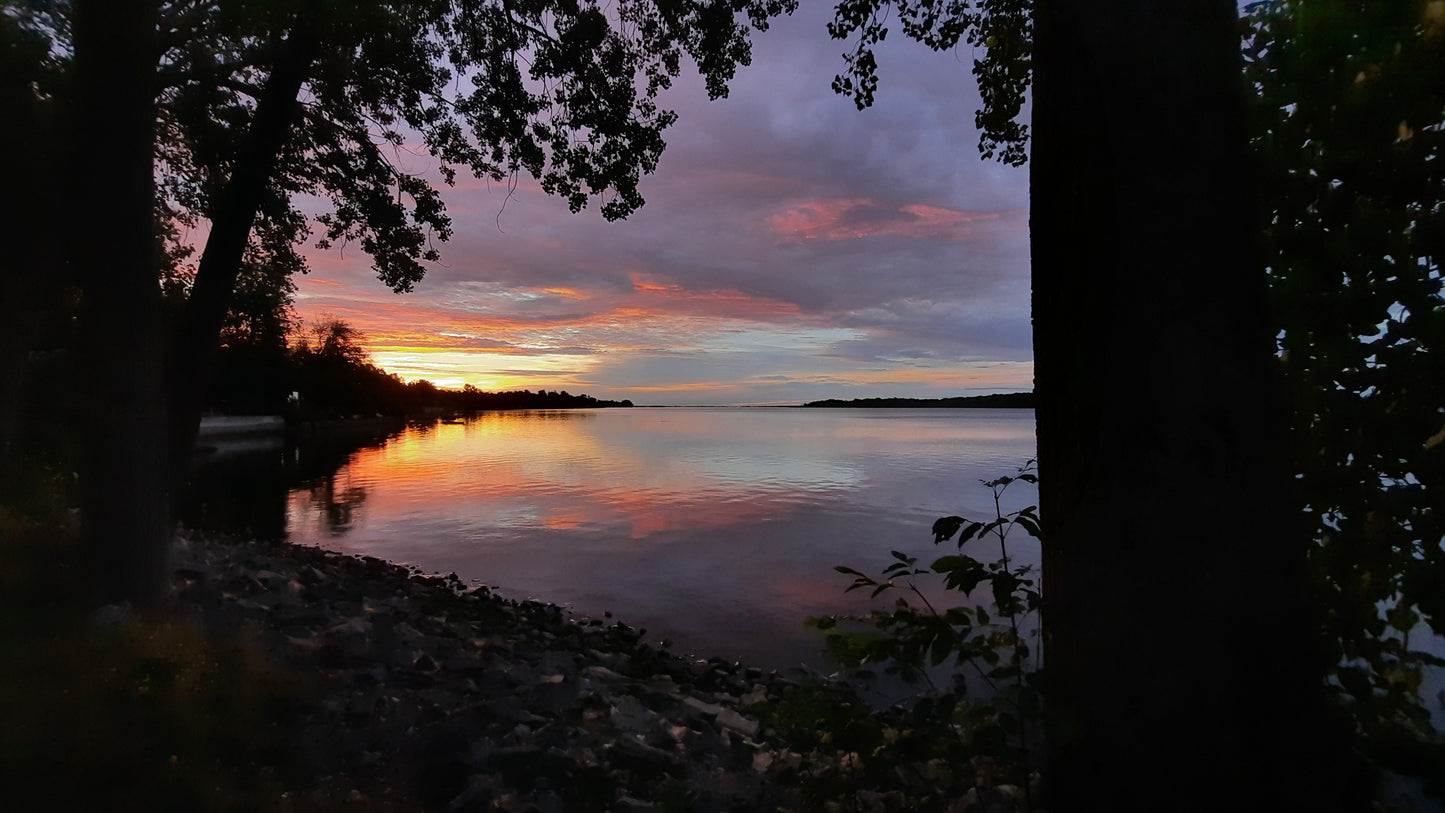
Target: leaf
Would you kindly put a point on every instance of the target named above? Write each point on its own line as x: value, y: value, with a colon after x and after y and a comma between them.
x: 948, y: 564
x: 942, y: 647
x: 1030, y: 526
x: 1356, y: 681
x: 1004, y: 585
x: 848, y: 571
x: 961, y: 572
x: 945, y: 527
x: 959, y: 616
x: 1004, y: 672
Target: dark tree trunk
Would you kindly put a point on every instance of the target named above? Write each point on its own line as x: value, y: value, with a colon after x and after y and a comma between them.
x: 25, y: 142
x: 197, y: 339
x: 124, y: 506
x: 1180, y: 653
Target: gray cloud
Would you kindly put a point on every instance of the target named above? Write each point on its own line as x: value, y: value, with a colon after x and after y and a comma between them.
x: 778, y: 209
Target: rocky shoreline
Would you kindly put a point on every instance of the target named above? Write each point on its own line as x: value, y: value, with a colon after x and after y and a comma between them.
x: 431, y: 695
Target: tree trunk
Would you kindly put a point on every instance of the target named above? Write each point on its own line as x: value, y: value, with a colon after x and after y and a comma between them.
x: 124, y: 506
x: 1180, y: 657
x: 26, y: 142
x: 195, y: 344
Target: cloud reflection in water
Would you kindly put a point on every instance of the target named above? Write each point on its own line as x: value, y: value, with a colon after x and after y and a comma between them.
x: 717, y: 528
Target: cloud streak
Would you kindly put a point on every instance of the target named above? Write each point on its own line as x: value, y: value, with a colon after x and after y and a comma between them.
x: 791, y: 248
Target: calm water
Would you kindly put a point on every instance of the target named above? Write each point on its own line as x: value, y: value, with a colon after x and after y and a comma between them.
x: 714, y: 528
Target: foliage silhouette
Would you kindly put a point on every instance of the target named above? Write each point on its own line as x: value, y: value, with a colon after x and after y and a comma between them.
x: 912, y: 638
x: 1203, y: 415
x: 1010, y: 400
x: 1347, y: 102
x: 247, y: 106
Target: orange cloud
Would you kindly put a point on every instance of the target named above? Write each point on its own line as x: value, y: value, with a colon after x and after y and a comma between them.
x: 721, y: 302
x: 841, y: 218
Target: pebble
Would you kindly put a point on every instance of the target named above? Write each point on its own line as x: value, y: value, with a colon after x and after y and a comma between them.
x: 506, y: 705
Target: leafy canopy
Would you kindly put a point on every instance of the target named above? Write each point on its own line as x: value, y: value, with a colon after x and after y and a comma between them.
x: 563, y: 90
x: 1001, y: 33
x: 1349, y: 124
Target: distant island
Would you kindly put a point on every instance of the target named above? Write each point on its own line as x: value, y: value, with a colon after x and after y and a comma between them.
x: 1008, y: 400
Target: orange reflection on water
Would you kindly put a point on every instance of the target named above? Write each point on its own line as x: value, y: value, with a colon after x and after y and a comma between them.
x: 553, y: 470
x: 541, y: 468
x: 720, y: 526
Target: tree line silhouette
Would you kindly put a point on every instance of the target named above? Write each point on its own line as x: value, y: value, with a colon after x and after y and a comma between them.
x: 325, y: 373
x: 1003, y: 400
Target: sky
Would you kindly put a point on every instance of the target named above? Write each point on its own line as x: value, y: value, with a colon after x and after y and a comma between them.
x: 792, y: 248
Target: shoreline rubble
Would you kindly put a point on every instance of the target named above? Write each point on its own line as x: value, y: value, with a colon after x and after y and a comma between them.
x: 439, y: 697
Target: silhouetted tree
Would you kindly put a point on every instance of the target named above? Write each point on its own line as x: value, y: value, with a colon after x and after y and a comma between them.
x: 226, y: 82
x: 1179, y: 644
x: 33, y: 157
x: 125, y: 521
x: 1173, y: 552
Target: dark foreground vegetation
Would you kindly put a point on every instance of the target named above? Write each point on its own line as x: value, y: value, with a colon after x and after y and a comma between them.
x: 277, y: 677
x: 1008, y: 400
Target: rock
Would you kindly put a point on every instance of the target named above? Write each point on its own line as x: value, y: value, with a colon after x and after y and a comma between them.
x: 709, y: 709
x: 630, y: 715
x: 510, y: 706
x: 476, y: 798
x: 874, y: 802
x: 603, y: 674
x: 523, y: 764
x: 554, y: 697
x: 737, y: 722
x: 559, y: 662
x: 635, y: 755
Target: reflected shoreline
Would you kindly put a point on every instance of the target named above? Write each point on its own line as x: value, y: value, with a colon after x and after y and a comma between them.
x: 716, y: 528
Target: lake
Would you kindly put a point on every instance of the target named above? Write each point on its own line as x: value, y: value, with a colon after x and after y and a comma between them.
x: 714, y: 528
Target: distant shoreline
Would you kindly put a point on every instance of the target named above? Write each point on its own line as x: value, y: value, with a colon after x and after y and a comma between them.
x: 1009, y: 400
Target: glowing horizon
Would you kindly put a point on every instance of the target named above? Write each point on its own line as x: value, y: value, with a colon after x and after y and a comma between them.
x: 791, y: 249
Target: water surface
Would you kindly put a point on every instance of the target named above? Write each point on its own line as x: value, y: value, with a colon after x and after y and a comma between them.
x: 715, y: 528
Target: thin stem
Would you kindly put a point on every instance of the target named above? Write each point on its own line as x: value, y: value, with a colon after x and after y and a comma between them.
x: 983, y: 674
x: 1014, y: 656
x: 919, y: 593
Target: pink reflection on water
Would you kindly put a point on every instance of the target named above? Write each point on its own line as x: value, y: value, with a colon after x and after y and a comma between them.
x: 717, y: 528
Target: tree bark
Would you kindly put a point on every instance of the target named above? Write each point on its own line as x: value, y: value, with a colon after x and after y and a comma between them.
x: 25, y: 233
x: 124, y: 503
x: 1180, y: 658
x: 196, y: 341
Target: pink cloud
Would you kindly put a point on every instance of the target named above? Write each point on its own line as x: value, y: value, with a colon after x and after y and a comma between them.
x: 843, y: 218
x: 718, y: 302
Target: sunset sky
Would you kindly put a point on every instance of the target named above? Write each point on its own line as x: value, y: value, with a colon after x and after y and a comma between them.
x: 792, y: 248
